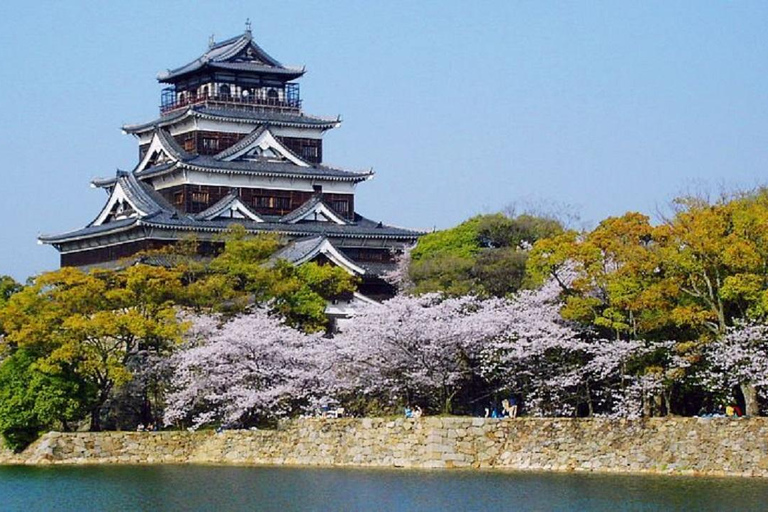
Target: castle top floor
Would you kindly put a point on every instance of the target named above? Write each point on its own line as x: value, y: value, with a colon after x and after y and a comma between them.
x: 233, y: 73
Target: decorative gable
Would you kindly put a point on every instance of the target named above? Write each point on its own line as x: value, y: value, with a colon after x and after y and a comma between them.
x: 231, y: 207
x: 158, y: 153
x: 118, y: 207
x: 261, y: 144
x: 315, y: 210
x: 319, y: 247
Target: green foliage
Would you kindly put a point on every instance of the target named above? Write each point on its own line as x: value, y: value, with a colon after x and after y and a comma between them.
x: 32, y: 401
x: 689, y: 279
x: 87, y: 325
x: 8, y: 286
x: 245, y: 273
x: 485, y: 255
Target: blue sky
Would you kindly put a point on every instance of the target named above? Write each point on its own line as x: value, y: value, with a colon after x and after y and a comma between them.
x: 460, y: 107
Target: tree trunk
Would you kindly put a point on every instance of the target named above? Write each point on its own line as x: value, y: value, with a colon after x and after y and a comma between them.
x: 96, y: 419
x: 750, y: 398
x: 668, y: 402
x: 647, y: 404
x: 590, y: 406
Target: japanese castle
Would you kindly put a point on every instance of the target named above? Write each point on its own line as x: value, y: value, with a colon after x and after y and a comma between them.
x: 233, y: 145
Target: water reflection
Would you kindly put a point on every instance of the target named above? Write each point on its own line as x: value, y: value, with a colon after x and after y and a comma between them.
x: 289, y: 489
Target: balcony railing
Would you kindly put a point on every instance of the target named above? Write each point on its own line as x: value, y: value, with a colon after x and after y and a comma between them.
x: 289, y: 103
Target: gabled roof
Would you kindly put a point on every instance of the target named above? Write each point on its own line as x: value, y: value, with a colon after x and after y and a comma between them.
x: 314, y: 210
x: 261, y: 142
x: 258, y: 116
x: 306, y: 249
x: 131, y: 198
x: 239, y: 53
x: 229, y: 207
x: 163, y: 151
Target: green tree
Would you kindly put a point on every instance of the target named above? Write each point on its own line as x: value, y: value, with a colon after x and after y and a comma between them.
x: 90, y: 324
x: 485, y: 255
x: 716, y: 256
x: 246, y: 272
x: 8, y: 286
x: 32, y: 401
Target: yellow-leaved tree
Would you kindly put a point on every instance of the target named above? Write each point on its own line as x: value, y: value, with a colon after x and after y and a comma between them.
x: 90, y: 324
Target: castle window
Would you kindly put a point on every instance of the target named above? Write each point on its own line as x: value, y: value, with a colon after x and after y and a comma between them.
x: 178, y: 198
x: 275, y: 203
x: 224, y: 91
x: 200, y: 197
x: 272, y: 94
x: 210, y: 144
x: 264, y: 202
x: 340, y: 206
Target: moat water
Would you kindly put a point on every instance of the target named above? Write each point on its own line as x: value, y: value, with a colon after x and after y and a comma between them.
x: 127, y: 488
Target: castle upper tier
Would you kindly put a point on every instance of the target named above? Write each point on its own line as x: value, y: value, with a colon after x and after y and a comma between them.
x: 232, y: 145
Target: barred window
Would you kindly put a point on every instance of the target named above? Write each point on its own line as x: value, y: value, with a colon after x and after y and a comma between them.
x: 340, y: 206
x: 200, y: 197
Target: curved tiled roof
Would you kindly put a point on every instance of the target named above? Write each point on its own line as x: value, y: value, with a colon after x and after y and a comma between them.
x: 223, y: 205
x: 229, y: 55
x: 257, y: 167
x: 361, y: 228
x: 173, y: 147
x: 242, y: 143
x: 142, y: 195
x: 89, y: 231
x: 238, y: 115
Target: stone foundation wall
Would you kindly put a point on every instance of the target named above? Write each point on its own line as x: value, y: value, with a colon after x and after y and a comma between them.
x: 658, y: 445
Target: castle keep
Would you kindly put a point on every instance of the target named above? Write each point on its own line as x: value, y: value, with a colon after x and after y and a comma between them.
x: 233, y: 145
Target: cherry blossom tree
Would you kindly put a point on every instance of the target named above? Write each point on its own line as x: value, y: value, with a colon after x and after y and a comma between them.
x: 248, y: 369
x: 739, y: 358
x: 409, y: 347
x: 400, y: 276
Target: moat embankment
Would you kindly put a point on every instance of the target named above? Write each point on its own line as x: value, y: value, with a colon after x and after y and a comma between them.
x: 715, y: 447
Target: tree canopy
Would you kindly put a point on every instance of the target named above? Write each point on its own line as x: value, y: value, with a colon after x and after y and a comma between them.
x: 485, y: 255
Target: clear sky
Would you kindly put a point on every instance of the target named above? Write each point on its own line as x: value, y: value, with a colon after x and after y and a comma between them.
x: 460, y: 107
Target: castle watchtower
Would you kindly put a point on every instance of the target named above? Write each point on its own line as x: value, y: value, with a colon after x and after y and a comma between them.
x: 232, y: 73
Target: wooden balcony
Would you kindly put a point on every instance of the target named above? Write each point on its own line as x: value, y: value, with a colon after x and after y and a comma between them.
x: 290, y: 102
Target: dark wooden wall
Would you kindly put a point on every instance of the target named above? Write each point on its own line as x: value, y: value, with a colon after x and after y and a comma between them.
x: 196, y: 198
x: 210, y: 143
x: 111, y: 253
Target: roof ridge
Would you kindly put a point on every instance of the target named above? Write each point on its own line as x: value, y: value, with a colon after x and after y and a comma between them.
x: 218, y: 206
x: 303, y: 209
x: 201, y: 111
x: 167, y: 140
x: 221, y: 53
x: 242, y: 143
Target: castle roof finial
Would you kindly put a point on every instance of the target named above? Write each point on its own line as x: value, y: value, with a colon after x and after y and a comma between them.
x: 211, y: 41
x: 248, y: 26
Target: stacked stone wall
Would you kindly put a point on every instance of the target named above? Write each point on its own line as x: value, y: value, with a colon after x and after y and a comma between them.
x: 659, y: 445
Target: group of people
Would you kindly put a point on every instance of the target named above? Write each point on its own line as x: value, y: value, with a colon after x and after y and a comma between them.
x: 508, y: 409
x: 730, y: 411
x: 414, y: 412
x: 149, y: 428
